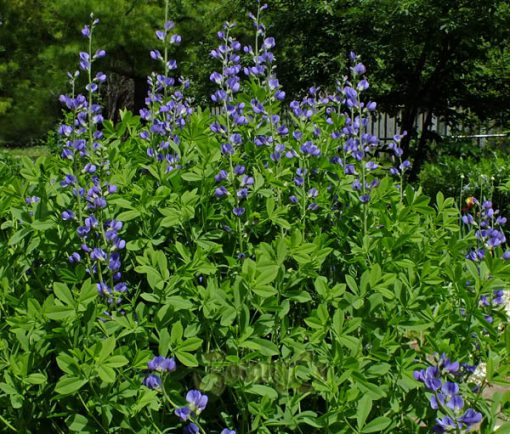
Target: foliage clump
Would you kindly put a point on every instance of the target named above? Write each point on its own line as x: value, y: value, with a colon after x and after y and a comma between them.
x: 258, y: 270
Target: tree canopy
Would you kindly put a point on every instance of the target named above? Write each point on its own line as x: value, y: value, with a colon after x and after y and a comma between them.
x: 421, y: 55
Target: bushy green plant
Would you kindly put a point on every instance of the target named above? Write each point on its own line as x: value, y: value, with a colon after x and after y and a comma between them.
x: 275, y: 264
x: 461, y: 177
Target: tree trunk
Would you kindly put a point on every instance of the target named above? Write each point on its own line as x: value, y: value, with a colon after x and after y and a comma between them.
x: 413, y: 99
x: 420, y: 152
x: 141, y: 90
x: 425, y: 95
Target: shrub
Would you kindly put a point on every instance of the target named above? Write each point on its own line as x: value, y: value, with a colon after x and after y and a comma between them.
x: 245, y: 272
x: 461, y: 177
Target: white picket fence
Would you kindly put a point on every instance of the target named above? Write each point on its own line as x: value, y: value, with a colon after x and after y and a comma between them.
x: 386, y: 126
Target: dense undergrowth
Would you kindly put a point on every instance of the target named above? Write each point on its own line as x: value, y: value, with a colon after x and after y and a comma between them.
x: 248, y: 272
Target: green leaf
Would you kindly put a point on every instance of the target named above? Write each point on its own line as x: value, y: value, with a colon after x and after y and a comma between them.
x: 18, y: 236
x: 266, y: 274
x: 126, y: 216
x: 78, y: 423
x: 36, y: 378
x: 187, y: 359
x: 261, y: 390
x: 299, y: 296
x: 151, y: 298
x: 503, y: 429
x: 363, y: 410
x: 88, y: 293
x: 265, y: 291
x: 164, y: 342
x: 107, y: 347
x: 116, y: 361
x: 179, y: 303
x: 321, y: 286
x: 67, y: 364
x: 183, y: 252
x: 106, y: 373
x: 59, y: 312
x: 351, y: 342
x: 149, y: 398
x: 416, y: 326
x: 192, y: 177
x: 63, y: 293
x: 191, y: 344
x: 67, y: 385
x: 43, y: 225
x: 351, y: 283
x: 8, y: 389
x: 311, y: 419
x: 377, y: 425
x: 121, y: 202
x: 176, y: 333
x: 171, y: 219
x: 263, y: 346
x: 379, y: 369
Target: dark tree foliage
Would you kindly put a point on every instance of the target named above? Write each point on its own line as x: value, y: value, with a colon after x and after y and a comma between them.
x: 428, y: 56
x: 421, y: 55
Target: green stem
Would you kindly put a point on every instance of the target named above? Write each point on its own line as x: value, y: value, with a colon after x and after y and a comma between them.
x: 6, y: 422
x: 91, y: 414
x: 303, y: 202
x: 166, y: 47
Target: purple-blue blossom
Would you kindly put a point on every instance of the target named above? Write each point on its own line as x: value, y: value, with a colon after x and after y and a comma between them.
x: 152, y: 381
x: 191, y: 429
x: 162, y: 364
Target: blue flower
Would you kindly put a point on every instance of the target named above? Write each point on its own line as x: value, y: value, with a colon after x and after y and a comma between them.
x: 470, y: 417
x: 221, y: 191
x: 445, y: 424
x: 239, y: 170
x: 68, y: 215
x: 152, y: 381
x: 359, y: 69
x: 239, y: 211
x: 32, y: 200
x: 468, y: 219
x: 310, y: 149
x: 197, y: 400
x: 227, y: 148
x: 313, y: 192
x: 447, y: 365
x: 86, y: 31
x: 247, y: 180
x: 162, y: 364
x: 183, y: 413
x: 222, y: 174
x: 242, y: 193
x: 269, y: 43
x: 191, y: 429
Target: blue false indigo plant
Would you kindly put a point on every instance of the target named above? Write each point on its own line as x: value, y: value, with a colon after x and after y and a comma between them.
x: 87, y: 179
x: 167, y: 107
x: 196, y: 401
x: 442, y: 381
x: 276, y: 254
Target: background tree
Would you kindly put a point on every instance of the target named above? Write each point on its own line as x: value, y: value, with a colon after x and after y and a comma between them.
x: 421, y: 55
x: 425, y: 55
